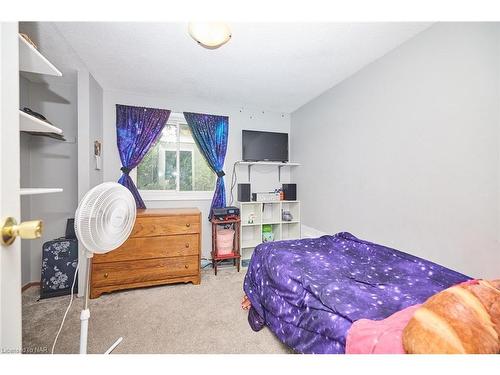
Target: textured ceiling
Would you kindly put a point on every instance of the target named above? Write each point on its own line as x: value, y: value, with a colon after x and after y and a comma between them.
x: 272, y: 66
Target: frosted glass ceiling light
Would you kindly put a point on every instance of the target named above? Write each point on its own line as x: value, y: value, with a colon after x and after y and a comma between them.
x: 210, y: 34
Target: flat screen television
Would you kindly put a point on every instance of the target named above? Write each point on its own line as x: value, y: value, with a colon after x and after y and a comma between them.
x: 264, y: 146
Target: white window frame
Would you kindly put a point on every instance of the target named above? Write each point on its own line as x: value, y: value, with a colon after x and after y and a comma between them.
x: 170, y: 195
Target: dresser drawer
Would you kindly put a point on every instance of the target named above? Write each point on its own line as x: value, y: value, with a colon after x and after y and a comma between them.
x: 152, y: 247
x: 139, y: 271
x: 162, y: 226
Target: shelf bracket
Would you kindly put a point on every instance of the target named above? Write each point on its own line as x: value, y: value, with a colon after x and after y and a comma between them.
x: 249, y: 168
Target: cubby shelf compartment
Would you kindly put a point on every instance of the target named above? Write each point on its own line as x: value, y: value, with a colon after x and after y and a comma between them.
x: 250, y: 245
x: 36, y: 191
x: 290, y: 230
x: 28, y: 123
x: 32, y: 61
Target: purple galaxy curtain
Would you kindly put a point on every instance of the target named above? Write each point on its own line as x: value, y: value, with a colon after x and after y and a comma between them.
x: 137, y: 129
x: 210, y: 133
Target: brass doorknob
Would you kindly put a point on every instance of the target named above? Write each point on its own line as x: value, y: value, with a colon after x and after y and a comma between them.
x: 27, y: 230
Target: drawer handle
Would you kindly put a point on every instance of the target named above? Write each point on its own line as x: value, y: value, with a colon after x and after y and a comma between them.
x: 187, y: 245
x: 186, y: 266
x: 188, y: 225
x: 106, y: 275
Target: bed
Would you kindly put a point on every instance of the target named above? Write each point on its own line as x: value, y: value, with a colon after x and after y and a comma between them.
x: 310, y: 291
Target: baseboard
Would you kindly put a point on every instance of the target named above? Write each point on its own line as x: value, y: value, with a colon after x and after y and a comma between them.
x: 308, y: 232
x: 29, y: 285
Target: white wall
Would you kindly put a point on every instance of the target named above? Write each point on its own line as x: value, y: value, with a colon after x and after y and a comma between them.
x: 90, y: 129
x: 95, y: 128
x: 263, y: 179
x: 48, y: 163
x: 406, y: 151
x: 90, y: 117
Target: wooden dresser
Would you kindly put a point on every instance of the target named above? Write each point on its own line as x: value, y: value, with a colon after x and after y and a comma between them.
x: 164, y: 248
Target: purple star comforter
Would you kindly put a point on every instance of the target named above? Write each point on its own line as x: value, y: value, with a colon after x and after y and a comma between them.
x: 310, y: 291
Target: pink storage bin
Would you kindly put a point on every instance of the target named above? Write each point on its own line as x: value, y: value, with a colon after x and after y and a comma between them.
x: 225, y: 239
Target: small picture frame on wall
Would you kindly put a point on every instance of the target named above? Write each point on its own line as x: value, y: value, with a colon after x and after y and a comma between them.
x: 97, y: 148
x: 97, y: 155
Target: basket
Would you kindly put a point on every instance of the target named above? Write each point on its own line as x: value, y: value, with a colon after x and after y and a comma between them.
x: 225, y: 241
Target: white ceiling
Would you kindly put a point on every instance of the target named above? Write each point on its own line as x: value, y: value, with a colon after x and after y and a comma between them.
x: 272, y: 66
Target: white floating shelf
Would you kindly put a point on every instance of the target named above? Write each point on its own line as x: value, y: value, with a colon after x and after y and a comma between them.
x: 32, y: 61
x: 35, y: 191
x: 28, y: 123
x: 278, y: 164
x: 275, y: 163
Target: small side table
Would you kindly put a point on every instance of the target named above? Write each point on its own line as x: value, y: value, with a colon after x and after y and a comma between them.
x: 235, y: 254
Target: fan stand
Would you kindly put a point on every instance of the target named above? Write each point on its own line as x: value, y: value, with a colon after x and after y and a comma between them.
x: 85, y: 314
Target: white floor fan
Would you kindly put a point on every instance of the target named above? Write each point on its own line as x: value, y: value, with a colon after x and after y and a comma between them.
x: 103, y: 221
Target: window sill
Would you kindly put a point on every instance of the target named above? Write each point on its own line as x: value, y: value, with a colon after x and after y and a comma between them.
x: 159, y: 195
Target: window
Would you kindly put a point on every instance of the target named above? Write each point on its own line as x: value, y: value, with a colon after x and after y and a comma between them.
x: 174, y: 166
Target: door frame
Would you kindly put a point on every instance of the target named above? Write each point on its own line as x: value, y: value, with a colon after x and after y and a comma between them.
x: 10, y: 201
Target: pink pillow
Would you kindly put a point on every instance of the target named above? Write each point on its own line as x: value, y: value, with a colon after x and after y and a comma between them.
x: 379, y: 336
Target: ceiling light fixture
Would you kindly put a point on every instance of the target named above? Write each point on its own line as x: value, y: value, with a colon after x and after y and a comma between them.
x: 210, y: 35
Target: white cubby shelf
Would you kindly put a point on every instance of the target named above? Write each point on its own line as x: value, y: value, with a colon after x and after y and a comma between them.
x: 254, y: 215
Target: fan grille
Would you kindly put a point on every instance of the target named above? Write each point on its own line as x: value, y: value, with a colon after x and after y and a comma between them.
x: 105, y: 217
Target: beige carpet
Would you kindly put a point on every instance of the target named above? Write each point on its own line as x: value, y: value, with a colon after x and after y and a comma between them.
x: 181, y: 318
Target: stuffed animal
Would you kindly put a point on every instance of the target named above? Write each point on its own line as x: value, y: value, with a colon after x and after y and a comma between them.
x: 462, y: 319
